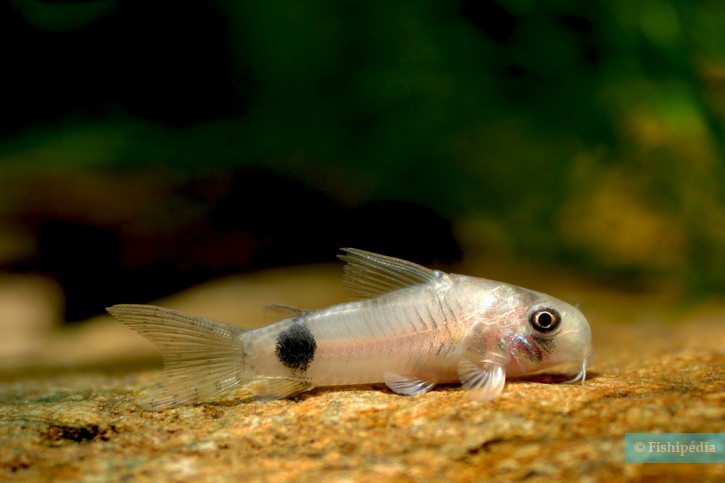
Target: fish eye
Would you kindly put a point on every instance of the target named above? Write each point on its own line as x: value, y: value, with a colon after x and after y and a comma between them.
x: 545, y: 320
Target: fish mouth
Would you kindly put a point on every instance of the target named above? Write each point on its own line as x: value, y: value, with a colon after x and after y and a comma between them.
x: 565, y: 369
x: 568, y: 368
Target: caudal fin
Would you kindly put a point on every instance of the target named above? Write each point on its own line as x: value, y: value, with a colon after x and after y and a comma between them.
x: 202, y: 357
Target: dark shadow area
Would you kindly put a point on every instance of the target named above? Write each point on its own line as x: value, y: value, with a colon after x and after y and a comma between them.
x: 203, y: 227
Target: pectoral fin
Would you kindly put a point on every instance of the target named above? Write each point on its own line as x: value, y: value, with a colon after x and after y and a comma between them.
x: 482, y: 380
x: 407, y: 385
x: 482, y: 367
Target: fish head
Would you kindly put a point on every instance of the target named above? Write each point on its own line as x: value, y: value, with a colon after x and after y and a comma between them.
x: 562, y: 332
x: 540, y: 333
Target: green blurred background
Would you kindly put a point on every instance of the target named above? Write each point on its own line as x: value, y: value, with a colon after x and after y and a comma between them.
x: 146, y: 146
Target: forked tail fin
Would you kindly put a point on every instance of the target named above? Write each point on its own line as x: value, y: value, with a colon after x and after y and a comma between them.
x: 202, y: 357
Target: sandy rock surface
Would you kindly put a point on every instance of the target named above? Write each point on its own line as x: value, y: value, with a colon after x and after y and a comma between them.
x: 68, y: 409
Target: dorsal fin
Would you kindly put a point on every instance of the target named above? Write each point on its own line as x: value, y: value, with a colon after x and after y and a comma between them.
x: 369, y: 274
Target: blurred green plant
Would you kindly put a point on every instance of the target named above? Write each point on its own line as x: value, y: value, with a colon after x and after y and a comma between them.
x: 590, y: 133
x: 62, y: 16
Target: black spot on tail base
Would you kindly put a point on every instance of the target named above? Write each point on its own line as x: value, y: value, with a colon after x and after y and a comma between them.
x: 296, y: 347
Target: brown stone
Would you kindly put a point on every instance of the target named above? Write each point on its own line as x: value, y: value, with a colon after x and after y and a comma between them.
x: 659, y: 367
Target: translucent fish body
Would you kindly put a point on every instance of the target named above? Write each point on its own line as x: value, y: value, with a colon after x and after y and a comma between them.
x: 414, y: 328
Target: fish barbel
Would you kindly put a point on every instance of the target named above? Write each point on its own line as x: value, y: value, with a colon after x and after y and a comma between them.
x: 414, y: 328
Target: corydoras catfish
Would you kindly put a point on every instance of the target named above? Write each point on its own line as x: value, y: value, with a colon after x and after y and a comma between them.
x: 414, y: 328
